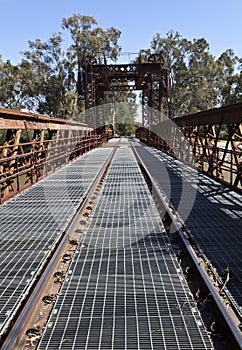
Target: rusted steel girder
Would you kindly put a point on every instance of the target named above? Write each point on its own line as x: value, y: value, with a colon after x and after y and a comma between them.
x: 33, y: 145
x: 215, y: 138
x: 12, y: 119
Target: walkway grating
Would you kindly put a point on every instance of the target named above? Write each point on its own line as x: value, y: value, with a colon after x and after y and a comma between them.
x: 124, y: 288
x: 32, y: 222
x: 214, y: 220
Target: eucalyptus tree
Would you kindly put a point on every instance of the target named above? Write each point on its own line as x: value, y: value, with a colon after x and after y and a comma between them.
x: 90, y: 40
x: 89, y: 43
x: 122, y: 111
x: 9, y: 87
x: 50, y: 80
x: 194, y: 73
x: 202, y: 77
x: 231, y: 78
x: 46, y: 80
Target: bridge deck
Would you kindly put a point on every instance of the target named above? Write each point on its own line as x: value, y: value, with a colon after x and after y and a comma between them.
x: 125, y: 289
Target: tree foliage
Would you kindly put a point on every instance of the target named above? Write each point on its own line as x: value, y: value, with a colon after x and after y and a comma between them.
x: 46, y: 79
x: 9, y: 85
x: 122, y: 109
x: 198, y: 80
x: 89, y: 40
x: 231, y: 79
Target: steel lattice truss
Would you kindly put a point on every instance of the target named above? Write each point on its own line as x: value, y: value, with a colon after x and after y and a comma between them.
x: 33, y: 145
x: 211, y: 140
x: 32, y: 223
x: 125, y: 289
x: 152, y: 78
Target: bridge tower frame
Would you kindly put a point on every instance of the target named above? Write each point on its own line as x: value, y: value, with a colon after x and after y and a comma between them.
x: 151, y: 78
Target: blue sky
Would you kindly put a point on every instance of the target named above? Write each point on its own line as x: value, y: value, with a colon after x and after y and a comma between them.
x: 218, y: 21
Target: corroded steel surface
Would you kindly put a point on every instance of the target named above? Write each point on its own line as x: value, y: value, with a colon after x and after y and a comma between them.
x: 13, y: 119
x: 34, y: 145
x: 151, y: 78
x: 214, y: 138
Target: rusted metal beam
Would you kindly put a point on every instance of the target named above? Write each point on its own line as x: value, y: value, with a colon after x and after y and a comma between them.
x: 151, y: 78
x: 48, y: 144
x: 12, y: 119
x: 215, y: 137
x: 216, y: 116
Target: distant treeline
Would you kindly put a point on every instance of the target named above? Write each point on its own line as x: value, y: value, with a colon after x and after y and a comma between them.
x: 45, y: 81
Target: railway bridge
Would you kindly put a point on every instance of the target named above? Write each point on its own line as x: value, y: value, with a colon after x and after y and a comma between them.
x: 121, y: 243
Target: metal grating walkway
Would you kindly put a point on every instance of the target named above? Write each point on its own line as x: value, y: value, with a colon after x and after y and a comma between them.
x: 32, y: 222
x: 215, y: 219
x: 124, y: 289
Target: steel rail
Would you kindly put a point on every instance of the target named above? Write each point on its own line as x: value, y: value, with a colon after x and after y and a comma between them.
x: 180, y: 227
x: 36, y: 288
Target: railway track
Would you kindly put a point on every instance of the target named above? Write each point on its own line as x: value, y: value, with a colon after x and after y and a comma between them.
x: 28, y: 327
x: 13, y: 336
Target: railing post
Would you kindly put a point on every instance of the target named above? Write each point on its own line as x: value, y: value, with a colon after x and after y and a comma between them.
x: 17, y: 170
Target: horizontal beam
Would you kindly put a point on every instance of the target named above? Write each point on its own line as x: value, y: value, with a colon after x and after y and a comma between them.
x: 13, y: 119
x: 215, y: 116
x: 139, y: 72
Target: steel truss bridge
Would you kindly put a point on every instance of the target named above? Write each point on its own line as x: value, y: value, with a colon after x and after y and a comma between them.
x: 116, y: 243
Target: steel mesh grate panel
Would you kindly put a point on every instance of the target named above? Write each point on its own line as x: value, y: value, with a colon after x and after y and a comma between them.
x: 124, y: 290
x: 215, y: 219
x: 31, y: 223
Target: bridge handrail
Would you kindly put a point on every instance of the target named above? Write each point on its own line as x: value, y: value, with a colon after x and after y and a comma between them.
x: 215, y: 139
x: 34, y: 145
